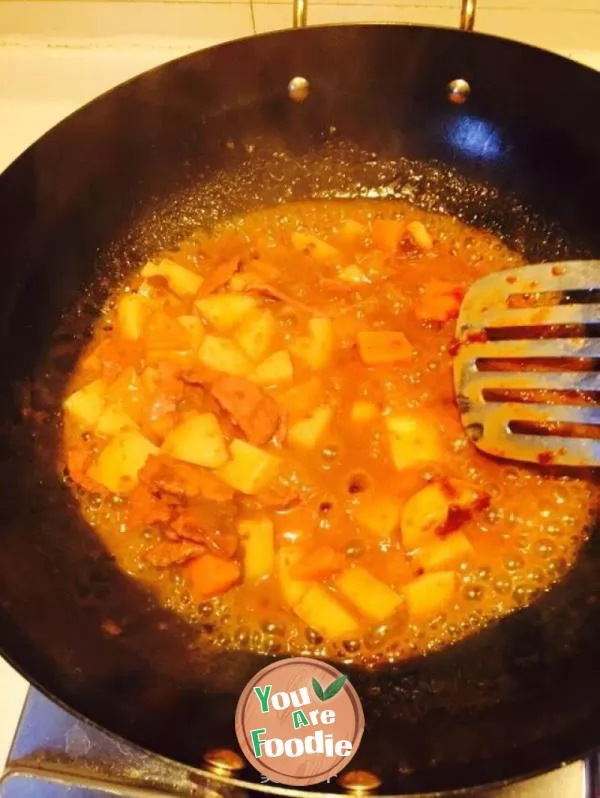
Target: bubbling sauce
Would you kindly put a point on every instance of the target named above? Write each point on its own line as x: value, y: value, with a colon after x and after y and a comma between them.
x: 263, y: 430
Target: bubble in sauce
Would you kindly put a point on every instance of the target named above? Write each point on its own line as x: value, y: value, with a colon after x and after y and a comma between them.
x: 521, y: 594
x: 502, y: 586
x: 513, y: 563
x: 272, y: 628
x: 473, y: 592
x: 535, y: 575
x: 484, y: 573
x: 241, y: 636
x: 557, y: 566
x: 545, y: 548
x: 314, y: 638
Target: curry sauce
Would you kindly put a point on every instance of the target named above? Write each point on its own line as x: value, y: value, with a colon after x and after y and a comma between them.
x: 263, y: 429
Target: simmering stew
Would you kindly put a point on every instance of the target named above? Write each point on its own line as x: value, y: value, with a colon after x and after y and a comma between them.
x: 264, y: 430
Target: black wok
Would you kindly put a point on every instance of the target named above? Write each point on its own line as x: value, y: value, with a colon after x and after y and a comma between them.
x: 214, y: 134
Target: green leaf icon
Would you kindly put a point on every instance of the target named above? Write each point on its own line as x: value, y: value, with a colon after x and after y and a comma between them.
x: 318, y: 690
x: 335, y: 687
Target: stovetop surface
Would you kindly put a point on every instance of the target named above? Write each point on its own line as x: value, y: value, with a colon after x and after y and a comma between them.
x: 55, y: 755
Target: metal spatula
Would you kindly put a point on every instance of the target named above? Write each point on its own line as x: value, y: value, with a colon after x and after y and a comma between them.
x: 527, y: 369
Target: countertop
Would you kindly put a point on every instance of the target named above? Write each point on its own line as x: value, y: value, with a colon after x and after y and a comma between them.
x: 41, y: 83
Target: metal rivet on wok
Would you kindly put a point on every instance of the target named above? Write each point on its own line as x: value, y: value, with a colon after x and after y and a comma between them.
x: 359, y: 781
x: 223, y: 761
x: 298, y: 89
x: 458, y: 91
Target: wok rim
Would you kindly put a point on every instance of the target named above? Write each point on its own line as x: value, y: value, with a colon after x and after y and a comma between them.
x: 244, y: 40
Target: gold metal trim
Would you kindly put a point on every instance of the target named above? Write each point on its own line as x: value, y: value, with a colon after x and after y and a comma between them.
x: 359, y: 782
x: 467, y: 14
x: 300, y: 13
x: 458, y: 91
x: 223, y: 761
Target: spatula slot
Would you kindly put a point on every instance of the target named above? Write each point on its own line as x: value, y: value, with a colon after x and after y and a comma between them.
x: 538, y: 331
x: 532, y: 364
x: 543, y: 299
x: 555, y: 429
x: 536, y: 396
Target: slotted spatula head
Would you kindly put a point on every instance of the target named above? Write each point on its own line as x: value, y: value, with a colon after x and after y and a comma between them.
x: 527, y: 366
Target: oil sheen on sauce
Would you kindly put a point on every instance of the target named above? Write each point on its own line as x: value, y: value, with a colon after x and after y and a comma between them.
x: 525, y: 537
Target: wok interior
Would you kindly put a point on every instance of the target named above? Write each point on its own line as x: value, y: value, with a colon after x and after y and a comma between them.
x: 138, y: 170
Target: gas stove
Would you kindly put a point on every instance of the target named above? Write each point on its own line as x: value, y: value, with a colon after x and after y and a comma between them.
x: 55, y: 755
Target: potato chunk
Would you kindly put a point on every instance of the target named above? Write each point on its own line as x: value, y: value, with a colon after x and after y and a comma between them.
x: 306, y: 433
x: 225, y: 311
x: 221, y: 354
x: 255, y: 334
x: 371, y: 597
x: 379, y: 513
x: 250, y: 469
x: 320, y: 610
x: 412, y: 441
x: 85, y: 406
x: 445, y: 553
x: 424, y: 514
x: 353, y: 274
x: 275, y: 370
x: 121, y: 460
x: 364, y: 412
x: 420, y: 235
x: 292, y: 590
x: 316, y: 349
x: 181, y: 281
x: 132, y: 311
x: 352, y: 231
x: 429, y: 594
x: 112, y: 420
x: 316, y: 247
x: 259, y: 549
x: 198, y: 440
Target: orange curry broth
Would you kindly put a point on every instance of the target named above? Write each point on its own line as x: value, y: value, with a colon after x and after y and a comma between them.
x: 337, y: 503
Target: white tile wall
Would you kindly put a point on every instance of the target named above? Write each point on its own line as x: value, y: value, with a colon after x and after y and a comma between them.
x: 567, y: 28
x: 123, y: 21
x: 273, y: 14
x: 555, y: 24
x: 541, y: 5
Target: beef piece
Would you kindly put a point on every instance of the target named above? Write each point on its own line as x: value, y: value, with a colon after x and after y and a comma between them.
x: 250, y: 408
x: 168, y: 553
x: 164, y: 474
x: 194, y: 524
x: 147, y: 509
